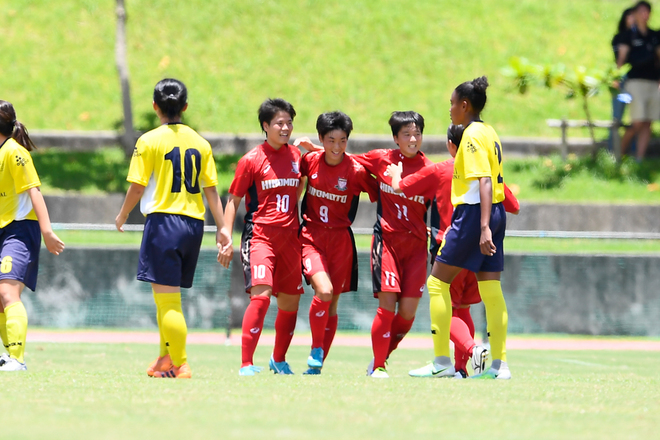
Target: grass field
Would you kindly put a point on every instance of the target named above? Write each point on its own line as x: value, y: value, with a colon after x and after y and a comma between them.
x: 366, y: 58
x: 99, y: 391
x: 363, y: 242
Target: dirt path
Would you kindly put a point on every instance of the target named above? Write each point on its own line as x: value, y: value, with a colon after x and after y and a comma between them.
x: 418, y: 342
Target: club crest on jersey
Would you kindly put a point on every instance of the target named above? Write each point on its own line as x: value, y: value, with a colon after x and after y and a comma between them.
x: 294, y: 167
x: 342, y: 184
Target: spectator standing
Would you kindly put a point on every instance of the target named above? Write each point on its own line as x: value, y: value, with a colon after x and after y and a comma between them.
x: 639, y: 48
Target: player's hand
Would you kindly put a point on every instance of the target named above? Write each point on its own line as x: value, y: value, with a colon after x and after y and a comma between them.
x: 486, y: 244
x: 395, y: 170
x: 306, y: 143
x: 119, y: 222
x: 225, y: 247
x: 53, y: 243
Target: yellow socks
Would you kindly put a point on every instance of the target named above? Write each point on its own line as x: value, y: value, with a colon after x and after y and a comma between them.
x: 497, y: 317
x: 163, y: 345
x: 440, y: 315
x: 16, y: 330
x: 3, y: 328
x: 172, y: 325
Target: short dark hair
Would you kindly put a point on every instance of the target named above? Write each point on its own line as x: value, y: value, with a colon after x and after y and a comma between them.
x: 269, y: 108
x: 12, y: 128
x: 455, y: 134
x: 171, y: 96
x: 330, y: 121
x: 475, y: 92
x: 643, y: 3
x: 398, y: 120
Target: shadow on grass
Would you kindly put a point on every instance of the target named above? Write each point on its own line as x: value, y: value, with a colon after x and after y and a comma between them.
x: 551, y: 171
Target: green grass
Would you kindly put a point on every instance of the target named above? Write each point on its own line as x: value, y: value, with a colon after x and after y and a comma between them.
x: 99, y: 391
x: 363, y: 242
x: 366, y: 58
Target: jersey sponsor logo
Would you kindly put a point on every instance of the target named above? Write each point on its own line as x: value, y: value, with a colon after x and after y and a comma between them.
x: 315, y: 175
x: 276, y: 183
x: 326, y: 195
x: 386, y: 335
x: 299, y: 287
x: 136, y: 153
x: 21, y: 161
x: 342, y: 184
x: 266, y: 169
x: 471, y: 148
x: 384, y: 187
x: 255, y: 330
x: 3, y: 194
x: 294, y: 167
x: 320, y: 314
x: 421, y: 289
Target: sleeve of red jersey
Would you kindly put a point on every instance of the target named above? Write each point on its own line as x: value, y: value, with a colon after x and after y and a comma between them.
x: 368, y: 160
x: 304, y: 164
x: 243, y: 178
x: 367, y: 183
x: 510, y: 202
x: 423, y: 181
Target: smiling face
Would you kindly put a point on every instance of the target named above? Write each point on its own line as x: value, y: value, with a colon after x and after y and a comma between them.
x: 334, y: 144
x: 458, y: 109
x: 278, y: 131
x: 409, y: 140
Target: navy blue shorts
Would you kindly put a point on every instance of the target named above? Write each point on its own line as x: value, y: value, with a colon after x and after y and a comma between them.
x: 19, y: 257
x: 460, y: 247
x: 170, y: 249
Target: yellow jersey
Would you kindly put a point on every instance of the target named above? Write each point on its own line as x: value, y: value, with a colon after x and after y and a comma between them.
x: 174, y: 163
x: 17, y: 175
x: 479, y: 155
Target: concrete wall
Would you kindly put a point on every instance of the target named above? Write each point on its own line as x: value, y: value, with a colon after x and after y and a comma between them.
x: 596, y: 295
x: 532, y: 217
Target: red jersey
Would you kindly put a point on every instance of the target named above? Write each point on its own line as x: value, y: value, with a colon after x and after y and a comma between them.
x: 269, y: 180
x: 439, y: 175
x: 398, y: 212
x: 333, y: 192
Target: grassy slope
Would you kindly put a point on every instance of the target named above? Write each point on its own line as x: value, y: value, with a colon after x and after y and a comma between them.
x: 366, y: 58
x: 99, y: 391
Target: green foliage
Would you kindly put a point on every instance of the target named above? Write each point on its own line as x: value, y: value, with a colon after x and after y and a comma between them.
x: 100, y: 391
x: 552, y: 172
x: 364, y: 57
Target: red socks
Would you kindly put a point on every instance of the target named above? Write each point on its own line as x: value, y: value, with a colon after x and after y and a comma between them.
x: 400, y: 328
x: 330, y: 330
x: 462, y: 335
x: 253, y: 323
x: 285, y: 324
x: 318, y: 320
x: 381, y: 336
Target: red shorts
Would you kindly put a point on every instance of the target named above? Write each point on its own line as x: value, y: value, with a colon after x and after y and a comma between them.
x: 398, y: 264
x: 271, y: 256
x: 464, y: 289
x: 330, y: 250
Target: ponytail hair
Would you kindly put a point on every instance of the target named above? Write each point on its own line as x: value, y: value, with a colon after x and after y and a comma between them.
x: 12, y: 128
x: 171, y: 96
x: 475, y: 92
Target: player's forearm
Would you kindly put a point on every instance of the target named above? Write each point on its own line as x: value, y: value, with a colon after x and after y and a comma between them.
x: 230, y: 212
x: 486, y: 200
x: 623, y: 54
x: 396, y: 183
x: 133, y: 196
x: 39, y: 206
x: 215, y: 205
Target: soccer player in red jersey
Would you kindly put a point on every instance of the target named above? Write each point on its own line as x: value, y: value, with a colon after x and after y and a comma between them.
x: 464, y: 289
x: 399, y: 241
x: 334, y: 182
x: 269, y: 179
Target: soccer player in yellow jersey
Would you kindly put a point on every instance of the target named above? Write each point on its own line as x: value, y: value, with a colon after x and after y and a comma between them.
x: 23, y: 215
x: 475, y: 239
x: 170, y: 168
